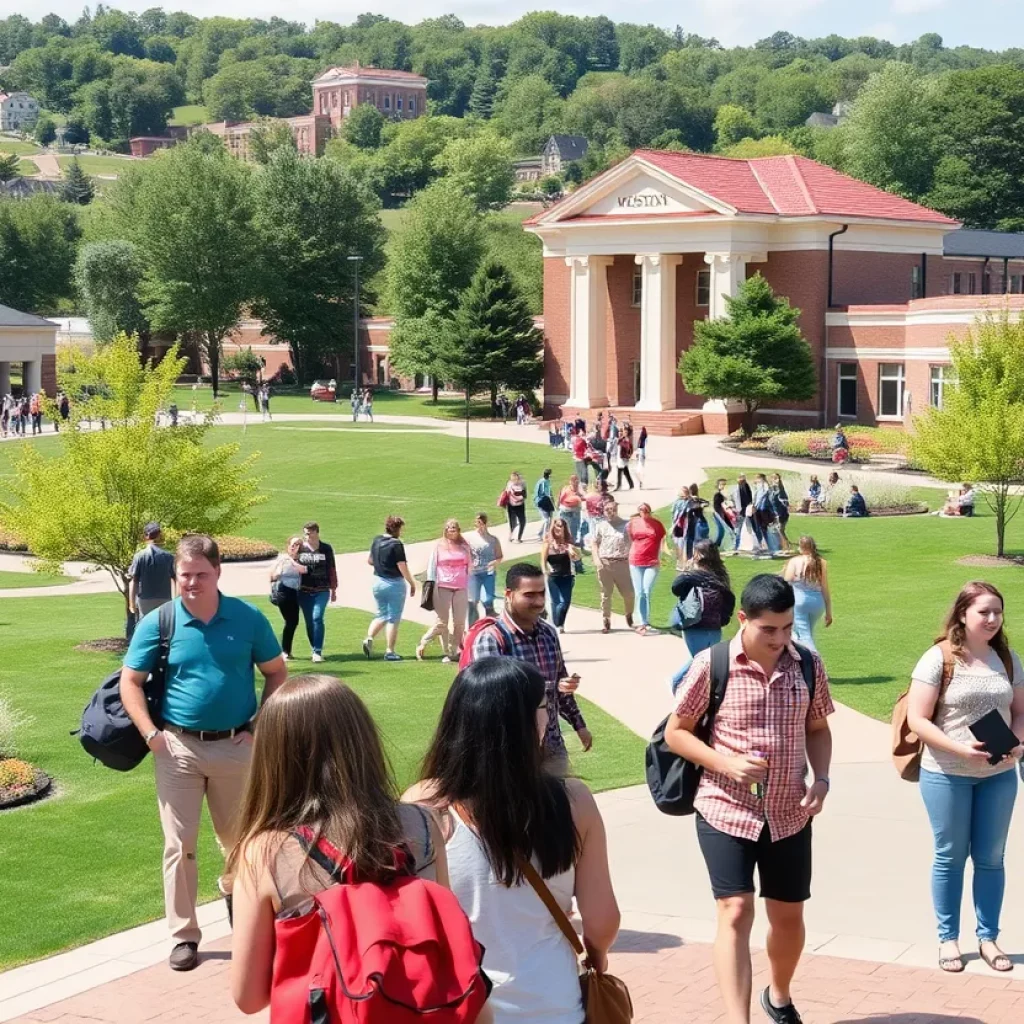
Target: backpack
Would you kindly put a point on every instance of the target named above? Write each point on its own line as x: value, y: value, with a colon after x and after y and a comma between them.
x: 625, y: 449
x: 504, y: 640
x: 672, y: 780
x: 376, y: 952
x: 907, y: 747
x: 106, y: 731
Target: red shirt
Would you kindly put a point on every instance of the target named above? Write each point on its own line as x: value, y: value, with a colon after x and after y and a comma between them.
x: 646, y: 535
x: 579, y: 447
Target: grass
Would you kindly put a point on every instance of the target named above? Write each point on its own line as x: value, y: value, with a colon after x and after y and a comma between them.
x: 16, y: 147
x: 23, y: 580
x: 393, y: 220
x: 98, y: 164
x: 27, y: 168
x: 103, y: 831
x: 189, y: 114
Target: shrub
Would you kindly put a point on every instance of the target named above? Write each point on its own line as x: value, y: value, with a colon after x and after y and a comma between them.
x: 11, y: 720
x: 244, y: 549
x: 16, y: 777
x: 9, y: 542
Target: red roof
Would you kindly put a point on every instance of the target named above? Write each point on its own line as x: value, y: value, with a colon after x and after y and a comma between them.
x: 361, y: 71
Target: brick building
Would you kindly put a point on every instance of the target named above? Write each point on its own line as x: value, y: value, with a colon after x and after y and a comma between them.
x: 636, y: 255
x: 310, y: 132
x: 30, y: 341
x: 399, y: 95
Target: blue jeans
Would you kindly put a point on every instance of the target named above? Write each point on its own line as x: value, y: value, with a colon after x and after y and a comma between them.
x: 969, y: 816
x: 696, y: 640
x: 643, y: 577
x: 723, y: 530
x: 560, y: 589
x: 571, y: 516
x: 481, y: 588
x: 312, y: 604
x: 390, y: 597
x: 809, y: 608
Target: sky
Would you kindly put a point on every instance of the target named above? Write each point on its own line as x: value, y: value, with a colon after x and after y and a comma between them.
x: 993, y: 24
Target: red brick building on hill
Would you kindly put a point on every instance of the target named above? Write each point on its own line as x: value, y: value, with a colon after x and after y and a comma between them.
x: 636, y: 255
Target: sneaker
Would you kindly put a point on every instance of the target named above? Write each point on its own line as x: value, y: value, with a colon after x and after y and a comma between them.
x: 286, y: 656
x: 367, y: 647
x: 391, y: 656
x: 651, y: 631
x: 184, y: 956
x: 446, y: 660
x: 316, y: 658
x: 780, y: 1014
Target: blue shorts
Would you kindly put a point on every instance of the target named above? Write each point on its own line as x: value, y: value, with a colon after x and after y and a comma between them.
x: 390, y: 598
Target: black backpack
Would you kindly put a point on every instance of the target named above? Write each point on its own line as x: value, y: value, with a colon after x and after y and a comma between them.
x: 673, y: 780
x: 106, y: 732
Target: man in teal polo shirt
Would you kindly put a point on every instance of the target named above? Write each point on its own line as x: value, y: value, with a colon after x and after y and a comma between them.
x: 209, y: 703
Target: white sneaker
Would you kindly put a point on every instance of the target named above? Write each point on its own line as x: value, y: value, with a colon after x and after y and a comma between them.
x: 316, y: 658
x: 287, y: 657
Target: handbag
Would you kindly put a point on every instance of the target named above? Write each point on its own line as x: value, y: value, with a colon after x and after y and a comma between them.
x: 545, y: 504
x: 427, y: 596
x: 276, y: 597
x: 605, y: 998
x: 503, y: 499
x: 691, y: 609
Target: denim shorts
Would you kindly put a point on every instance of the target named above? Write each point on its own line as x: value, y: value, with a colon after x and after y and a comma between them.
x: 390, y: 598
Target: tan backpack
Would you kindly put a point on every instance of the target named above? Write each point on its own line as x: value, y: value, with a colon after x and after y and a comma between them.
x: 907, y: 747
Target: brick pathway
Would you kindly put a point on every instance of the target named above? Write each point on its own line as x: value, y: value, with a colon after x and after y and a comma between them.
x: 668, y: 983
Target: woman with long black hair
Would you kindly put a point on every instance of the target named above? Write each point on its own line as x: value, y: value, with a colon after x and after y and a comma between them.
x: 501, y: 808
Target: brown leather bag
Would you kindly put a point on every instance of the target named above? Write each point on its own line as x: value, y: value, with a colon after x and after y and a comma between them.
x: 605, y: 997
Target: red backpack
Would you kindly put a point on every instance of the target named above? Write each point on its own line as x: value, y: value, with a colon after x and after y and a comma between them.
x: 376, y: 953
x: 504, y: 640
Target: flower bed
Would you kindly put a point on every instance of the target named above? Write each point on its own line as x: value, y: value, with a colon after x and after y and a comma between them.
x: 20, y: 783
x: 8, y: 542
x: 232, y: 549
x: 864, y: 442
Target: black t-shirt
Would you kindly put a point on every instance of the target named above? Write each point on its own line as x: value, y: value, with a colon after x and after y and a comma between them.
x: 718, y: 503
x: 386, y: 552
x: 321, y: 574
x: 558, y: 562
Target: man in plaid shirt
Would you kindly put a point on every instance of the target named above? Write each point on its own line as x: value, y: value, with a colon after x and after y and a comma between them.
x: 765, y: 777
x: 521, y: 633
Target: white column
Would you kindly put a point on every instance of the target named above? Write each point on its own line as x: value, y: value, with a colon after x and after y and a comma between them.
x: 588, y: 386
x: 658, y: 331
x: 32, y: 376
x: 5, y: 379
x: 728, y: 272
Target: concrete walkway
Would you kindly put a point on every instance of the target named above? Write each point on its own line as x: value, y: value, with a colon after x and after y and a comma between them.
x: 871, y: 903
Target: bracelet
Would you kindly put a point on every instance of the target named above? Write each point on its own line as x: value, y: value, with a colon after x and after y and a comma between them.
x: 825, y: 779
x: 149, y: 735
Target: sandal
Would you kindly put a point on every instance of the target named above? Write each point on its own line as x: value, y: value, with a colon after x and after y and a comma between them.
x: 420, y: 651
x: 1000, y: 962
x: 951, y: 964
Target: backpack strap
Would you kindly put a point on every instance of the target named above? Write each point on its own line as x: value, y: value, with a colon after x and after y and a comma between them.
x: 504, y: 635
x: 330, y: 862
x: 807, y: 671
x: 719, y: 681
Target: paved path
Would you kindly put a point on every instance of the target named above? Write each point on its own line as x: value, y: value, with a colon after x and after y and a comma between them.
x: 870, y: 907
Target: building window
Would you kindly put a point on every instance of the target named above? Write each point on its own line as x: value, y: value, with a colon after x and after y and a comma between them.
x: 412, y: 104
x: 703, y: 288
x: 890, y: 389
x: 916, y: 289
x: 962, y: 284
x: 334, y: 100
x: 387, y: 102
x: 940, y: 378
x: 1016, y: 284
x: 638, y: 285
x: 848, y: 389
x: 323, y: 103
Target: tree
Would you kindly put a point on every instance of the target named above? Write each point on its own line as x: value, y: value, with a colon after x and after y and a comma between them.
x: 978, y: 434
x: 481, y: 165
x: 108, y: 276
x: 190, y: 218
x: 527, y: 113
x: 77, y: 187
x: 430, y: 263
x: 494, y: 342
x: 308, y: 217
x: 45, y: 130
x: 732, y: 124
x: 754, y: 354
x: 38, y: 240
x: 9, y: 169
x: 267, y: 137
x: 247, y: 368
x: 364, y: 127
x: 112, y: 482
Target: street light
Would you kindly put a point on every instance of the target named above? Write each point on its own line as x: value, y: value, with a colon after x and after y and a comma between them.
x: 355, y: 261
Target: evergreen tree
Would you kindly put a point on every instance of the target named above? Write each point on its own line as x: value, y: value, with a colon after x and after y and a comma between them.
x: 754, y: 354
x: 78, y: 187
x: 9, y: 169
x: 481, y: 100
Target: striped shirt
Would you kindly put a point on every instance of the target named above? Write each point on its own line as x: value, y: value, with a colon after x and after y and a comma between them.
x: 758, y: 716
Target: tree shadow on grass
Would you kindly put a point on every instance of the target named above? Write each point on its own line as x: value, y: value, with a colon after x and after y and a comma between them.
x: 644, y: 942
x: 860, y: 680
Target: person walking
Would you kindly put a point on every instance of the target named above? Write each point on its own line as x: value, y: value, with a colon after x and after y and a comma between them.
x: 449, y: 570
x: 357, y: 403
x: 570, y: 501
x: 512, y: 827
x: 593, y: 509
x: 723, y: 513
x: 695, y: 524
x: 265, y: 399
x: 515, y: 506
x: 647, y: 538
x: 641, y: 457
x: 319, y: 585
x: 780, y: 507
x: 743, y: 501
x: 557, y: 558
x: 520, y: 632
x: 579, y: 455
x: 391, y: 579
x: 808, y: 573
x: 543, y: 502
x: 35, y: 409
x: 203, y: 746
x: 609, y: 547
x: 368, y: 404
x: 970, y: 672
x: 622, y: 453
x: 287, y: 572
x: 764, y: 516
x: 151, y: 577
x: 766, y: 765
x: 487, y: 556
x: 706, y: 573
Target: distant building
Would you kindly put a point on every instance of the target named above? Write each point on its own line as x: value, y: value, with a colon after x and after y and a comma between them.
x: 528, y: 169
x: 31, y: 341
x: 820, y: 119
x: 561, y: 150
x: 399, y: 95
x: 147, y: 145
x: 18, y: 111
x: 310, y: 131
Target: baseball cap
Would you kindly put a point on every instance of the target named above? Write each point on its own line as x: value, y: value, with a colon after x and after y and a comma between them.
x: 151, y: 530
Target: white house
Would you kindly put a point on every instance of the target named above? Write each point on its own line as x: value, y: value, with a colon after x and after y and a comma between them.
x: 18, y: 111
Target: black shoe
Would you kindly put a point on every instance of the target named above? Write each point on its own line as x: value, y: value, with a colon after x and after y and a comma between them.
x: 780, y: 1014
x: 184, y: 956
x: 229, y: 902
x: 367, y: 647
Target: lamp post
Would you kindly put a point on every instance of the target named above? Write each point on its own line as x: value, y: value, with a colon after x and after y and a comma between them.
x: 355, y: 261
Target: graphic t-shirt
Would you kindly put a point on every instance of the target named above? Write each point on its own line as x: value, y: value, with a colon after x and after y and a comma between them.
x: 322, y: 574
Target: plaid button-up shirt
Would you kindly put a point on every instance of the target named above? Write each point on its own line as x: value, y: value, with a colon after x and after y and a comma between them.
x: 542, y: 650
x: 759, y: 716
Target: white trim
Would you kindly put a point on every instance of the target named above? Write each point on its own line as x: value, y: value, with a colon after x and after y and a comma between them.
x: 887, y: 354
x: 380, y: 349
x: 889, y: 419
x: 915, y: 317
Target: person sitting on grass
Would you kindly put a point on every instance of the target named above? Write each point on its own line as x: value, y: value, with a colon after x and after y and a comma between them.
x: 966, y: 500
x: 856, y: 507
x: 814, y: 494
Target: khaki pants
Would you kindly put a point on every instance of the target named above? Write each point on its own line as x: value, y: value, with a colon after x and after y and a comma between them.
x: 189, y: 770
x: 448, y: 603
x: 612, y: 574
x: 147, y: 604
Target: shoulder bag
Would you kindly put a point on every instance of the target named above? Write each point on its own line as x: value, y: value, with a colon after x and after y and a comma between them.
x: 427, y: 592
x: 605, y: 998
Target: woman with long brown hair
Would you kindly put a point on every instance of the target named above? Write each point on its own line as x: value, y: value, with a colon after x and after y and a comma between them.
x: 969, y: 672
x: 449, y: 568
x: 557, y: 556
x: 808, y: 573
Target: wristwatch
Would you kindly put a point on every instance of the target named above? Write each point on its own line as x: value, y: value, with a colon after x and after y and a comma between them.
x: 149, y: 735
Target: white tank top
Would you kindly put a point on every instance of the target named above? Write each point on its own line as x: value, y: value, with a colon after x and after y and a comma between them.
x: 529, y: 960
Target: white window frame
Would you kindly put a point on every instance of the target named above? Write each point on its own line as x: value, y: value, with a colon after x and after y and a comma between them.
x: 843, y: 374
x: 702, y: 284
x: 958, y: 279
x: 892, y: 372
x: 916, y: 282
x: 637, y: 296
x: 937, y: 383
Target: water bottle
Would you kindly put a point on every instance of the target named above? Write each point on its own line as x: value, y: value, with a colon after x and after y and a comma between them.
x: 758, y: 788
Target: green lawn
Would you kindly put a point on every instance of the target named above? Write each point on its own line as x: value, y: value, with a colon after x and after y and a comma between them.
x: 189, y: 114
x: 17, y: 147
x: 98, y: 164
x: 98, y: 842
x: 27, y: 168
x: 21, y: 580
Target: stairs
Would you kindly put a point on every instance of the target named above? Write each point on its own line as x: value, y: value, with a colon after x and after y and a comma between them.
x: 669, y: 423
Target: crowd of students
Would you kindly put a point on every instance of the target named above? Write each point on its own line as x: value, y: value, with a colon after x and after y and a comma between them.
x: 22, y: 415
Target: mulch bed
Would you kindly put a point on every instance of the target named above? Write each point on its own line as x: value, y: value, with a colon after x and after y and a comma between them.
x: 992, y: 561
x: 108, y: 645
x: 917, y: 509
x: 18, y: 797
